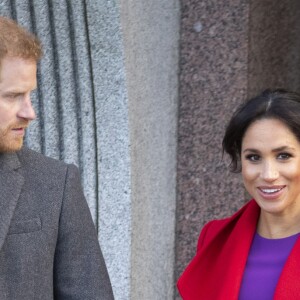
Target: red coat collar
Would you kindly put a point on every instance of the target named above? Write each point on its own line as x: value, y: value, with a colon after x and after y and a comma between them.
x: 217, y: 269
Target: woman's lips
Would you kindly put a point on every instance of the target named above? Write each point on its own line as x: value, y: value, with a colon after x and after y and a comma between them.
x: 271, y: 192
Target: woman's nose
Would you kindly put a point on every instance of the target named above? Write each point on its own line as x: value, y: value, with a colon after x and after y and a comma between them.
x: 269, y: 171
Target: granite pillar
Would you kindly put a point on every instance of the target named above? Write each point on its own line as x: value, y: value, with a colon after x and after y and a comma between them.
x: 151, y: 39
x: 274, y: 45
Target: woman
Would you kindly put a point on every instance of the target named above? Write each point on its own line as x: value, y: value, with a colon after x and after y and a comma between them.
x: 255, y: 254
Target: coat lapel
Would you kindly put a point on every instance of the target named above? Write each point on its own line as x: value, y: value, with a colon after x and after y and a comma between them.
x: 11, y: 182
x: 235, y: 251
x: 288, y: 286
x: 216, y: 271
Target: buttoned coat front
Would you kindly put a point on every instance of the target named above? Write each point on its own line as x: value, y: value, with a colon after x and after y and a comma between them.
x: 48, y: 243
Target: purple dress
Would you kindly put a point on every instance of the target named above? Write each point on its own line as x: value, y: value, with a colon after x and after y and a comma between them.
x: 264, y: 265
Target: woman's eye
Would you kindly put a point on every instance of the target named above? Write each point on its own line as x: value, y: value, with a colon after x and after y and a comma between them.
x: 284, y: 156
x: 253, y: 157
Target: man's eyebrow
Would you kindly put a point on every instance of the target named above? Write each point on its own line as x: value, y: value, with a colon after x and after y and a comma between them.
x: 11, y: 93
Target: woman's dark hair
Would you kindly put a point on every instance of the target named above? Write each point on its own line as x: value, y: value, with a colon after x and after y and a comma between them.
x: 277, y: 104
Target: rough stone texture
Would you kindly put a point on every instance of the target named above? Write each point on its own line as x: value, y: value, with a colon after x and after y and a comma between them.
x: 151, y: 34
x: 230, y: 50
x: 111, y: 121
x: 213, y: 81
x: 274, y: 45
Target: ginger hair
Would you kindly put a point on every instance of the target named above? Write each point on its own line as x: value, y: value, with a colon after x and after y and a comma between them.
x: 15, y: 41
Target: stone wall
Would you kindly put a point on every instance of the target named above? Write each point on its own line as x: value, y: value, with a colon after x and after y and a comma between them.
x: 230, y: 50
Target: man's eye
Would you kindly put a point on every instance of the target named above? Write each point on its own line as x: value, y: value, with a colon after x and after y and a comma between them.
x: 284, y: 156
x: 253, y: 157
x: 12, y: 96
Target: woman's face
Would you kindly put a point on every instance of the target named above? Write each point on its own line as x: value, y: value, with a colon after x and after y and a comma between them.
x: 270, y: 158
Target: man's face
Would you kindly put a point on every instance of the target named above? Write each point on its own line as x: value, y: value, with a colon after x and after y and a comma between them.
x: 17, y: 81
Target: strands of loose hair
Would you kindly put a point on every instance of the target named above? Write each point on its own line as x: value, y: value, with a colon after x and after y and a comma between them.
x: 268, y: 104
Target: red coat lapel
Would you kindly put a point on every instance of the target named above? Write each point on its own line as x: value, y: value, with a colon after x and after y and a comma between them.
x: 217, y: 269
x: 288, y: 286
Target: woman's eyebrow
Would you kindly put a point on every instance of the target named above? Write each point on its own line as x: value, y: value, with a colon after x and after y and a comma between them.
x: 281, y: 148
x: 251, y: 150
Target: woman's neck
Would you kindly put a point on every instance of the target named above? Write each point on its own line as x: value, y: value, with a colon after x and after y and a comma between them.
x: 277, y: 226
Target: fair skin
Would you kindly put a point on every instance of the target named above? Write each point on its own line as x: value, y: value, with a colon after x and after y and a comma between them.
x: 17, y: 81
x: 270, y: 158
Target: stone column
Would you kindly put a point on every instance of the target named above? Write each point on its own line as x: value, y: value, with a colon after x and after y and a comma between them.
x: 151, y: 40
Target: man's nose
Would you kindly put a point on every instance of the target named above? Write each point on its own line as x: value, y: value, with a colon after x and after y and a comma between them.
x: 26, y: 109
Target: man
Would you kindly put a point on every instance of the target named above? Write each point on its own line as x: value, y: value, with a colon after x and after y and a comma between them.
x: 48, y: 243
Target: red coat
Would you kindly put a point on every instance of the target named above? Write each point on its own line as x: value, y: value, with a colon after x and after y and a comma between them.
x: 216, y: 272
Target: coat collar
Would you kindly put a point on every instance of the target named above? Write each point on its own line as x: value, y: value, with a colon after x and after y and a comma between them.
x: 11, y: 183
x: 217, y: 270
x: 288, y: 286
x: 9, y: 161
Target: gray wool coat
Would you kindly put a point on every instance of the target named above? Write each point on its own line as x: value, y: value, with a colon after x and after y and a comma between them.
x: 48, y: 243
